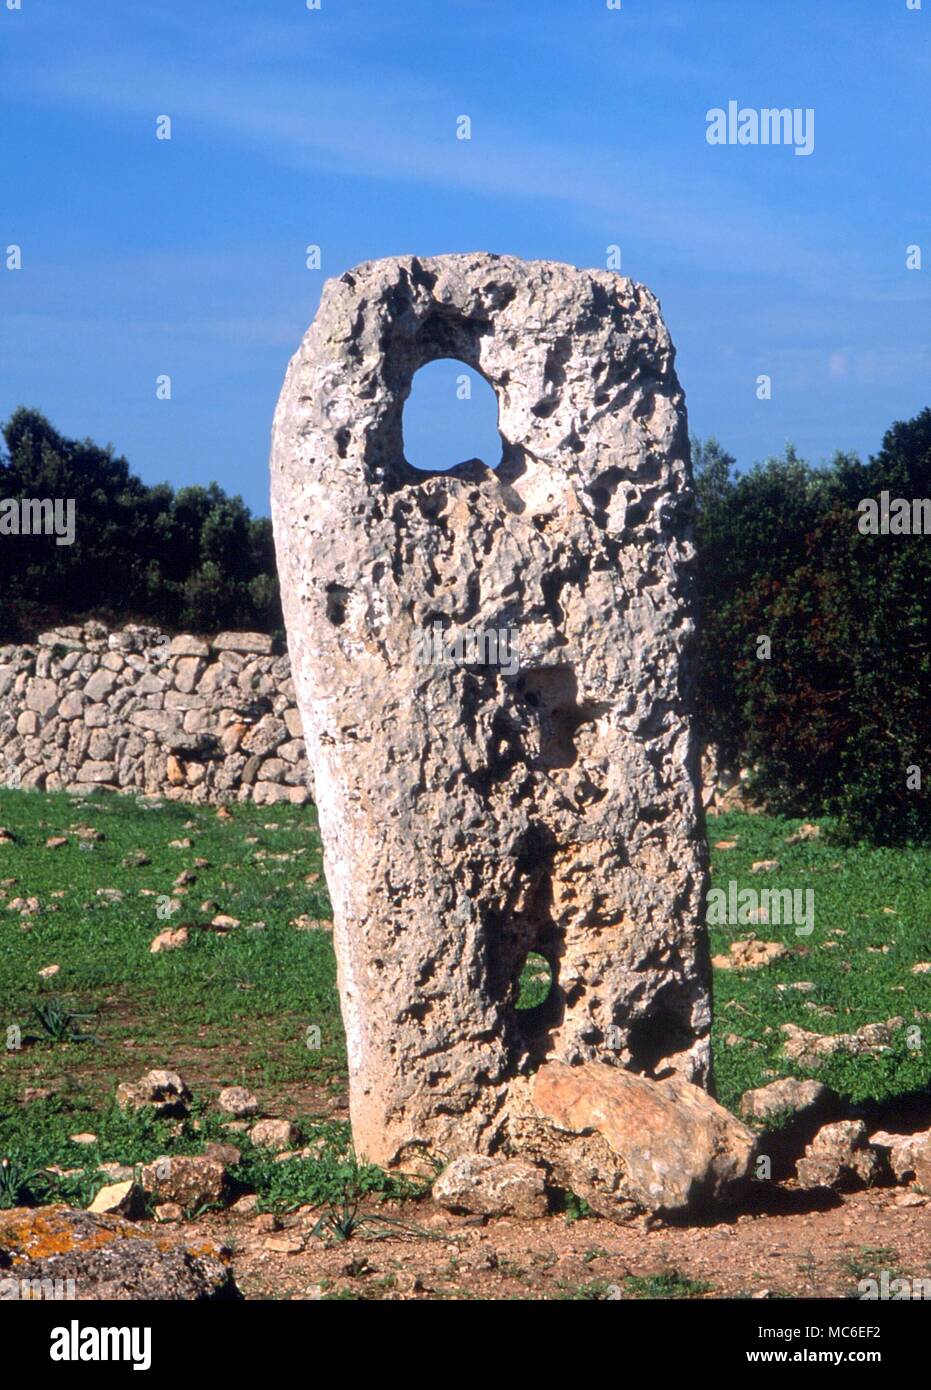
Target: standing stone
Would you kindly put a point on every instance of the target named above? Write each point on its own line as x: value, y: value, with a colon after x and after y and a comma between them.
x: 472, y: 812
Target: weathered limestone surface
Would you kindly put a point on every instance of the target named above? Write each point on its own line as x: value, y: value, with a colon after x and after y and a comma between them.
x: 471, y: 816
x: 627, y: 1143
x: 58, y: 1252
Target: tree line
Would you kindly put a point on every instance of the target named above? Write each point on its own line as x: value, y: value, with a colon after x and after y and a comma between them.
x: 194, y: 558
x: 815, y: 656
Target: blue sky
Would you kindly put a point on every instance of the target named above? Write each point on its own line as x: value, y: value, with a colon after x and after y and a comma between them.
x: 337, y: 127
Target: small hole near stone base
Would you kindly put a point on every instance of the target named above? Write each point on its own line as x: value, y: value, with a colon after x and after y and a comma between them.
x: 536, y: 982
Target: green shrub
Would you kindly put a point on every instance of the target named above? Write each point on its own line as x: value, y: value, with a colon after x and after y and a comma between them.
x: 840, y: 712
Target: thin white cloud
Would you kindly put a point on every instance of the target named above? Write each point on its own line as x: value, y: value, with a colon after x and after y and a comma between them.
x: 383, y: 130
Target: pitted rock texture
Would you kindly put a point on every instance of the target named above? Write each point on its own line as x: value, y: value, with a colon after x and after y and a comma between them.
x: 134, y: 710
x: 470, y: 816
x: 628, y: 1143
x: 484, y: 1186
x: 57, y: 1252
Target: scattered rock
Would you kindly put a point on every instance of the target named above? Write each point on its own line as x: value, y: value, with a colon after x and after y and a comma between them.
x: 840, y: 1157
x: 88, y: 833
x: 788, y: 1113
x: 810, y: 1048
x: 750, y: 954
x: 765, y: 866
x: 237, y: 1101
x: 169, y: 1211
x: 137, y: 860
x: 266, y: 1221
x: 274, y: 1134
x: 117, y: 1172
x: 227, y: 1154
x: 284, y: 1245
x: 307, y: 923
x: 223, y: 922
x: 246, y: 1205
x: 170, y: 940
x: 627, y: 1143
x: 164, y: 1091
x: 785, y: 1097
x: 56, y: 841
x: 121, y: 1199
x: 479, y: 1185
x: 26, y: 907
x: 191, y: 1180
x: 908, y: 1156
x: 804, y: 832
x: 911, y: 1199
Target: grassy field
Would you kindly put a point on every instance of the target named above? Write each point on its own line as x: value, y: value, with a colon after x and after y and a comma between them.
x: 235, y: 1007
x: 229, y: 1008
x: 871, y: 925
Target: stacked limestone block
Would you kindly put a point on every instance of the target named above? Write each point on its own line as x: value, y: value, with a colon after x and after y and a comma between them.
x: 188, y: 718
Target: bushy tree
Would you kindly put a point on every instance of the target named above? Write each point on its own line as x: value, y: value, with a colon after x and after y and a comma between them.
x: 195, y: 558
x: 751, y: 529
x: 838, y: 718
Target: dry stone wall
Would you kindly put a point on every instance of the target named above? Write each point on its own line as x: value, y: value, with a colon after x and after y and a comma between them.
x: 134, y: 710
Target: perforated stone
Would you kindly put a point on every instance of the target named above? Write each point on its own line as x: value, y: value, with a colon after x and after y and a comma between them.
x: 473, y: 808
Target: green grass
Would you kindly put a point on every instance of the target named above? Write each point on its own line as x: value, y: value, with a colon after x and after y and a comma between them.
x: 869, y: 1261
x: 536, y: 981
x: 258, y: 987
x: 236, y: 1008
x: 670, y: 1284
x: 856, y: 981
x: 225, y: 1009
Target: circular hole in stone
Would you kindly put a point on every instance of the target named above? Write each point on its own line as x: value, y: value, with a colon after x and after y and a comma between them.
x: 450, y: 417
x: 536, y: 982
